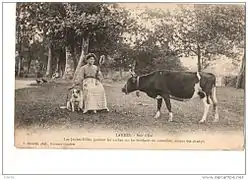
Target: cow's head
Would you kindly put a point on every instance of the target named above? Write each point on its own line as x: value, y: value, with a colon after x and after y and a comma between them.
x: 131, y: 84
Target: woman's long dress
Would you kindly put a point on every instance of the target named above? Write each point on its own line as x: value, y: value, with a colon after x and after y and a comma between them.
x: 93, y: 96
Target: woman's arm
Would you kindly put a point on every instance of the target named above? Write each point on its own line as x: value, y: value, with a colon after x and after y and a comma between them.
x: 99, y: 75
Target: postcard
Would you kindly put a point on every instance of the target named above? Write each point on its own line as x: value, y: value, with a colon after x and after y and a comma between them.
x: 130, y: 76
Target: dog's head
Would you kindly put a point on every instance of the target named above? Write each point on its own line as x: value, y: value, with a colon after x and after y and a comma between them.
x: 75, y: 93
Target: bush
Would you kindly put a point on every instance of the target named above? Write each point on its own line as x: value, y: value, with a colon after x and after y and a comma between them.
x: 147, y: 65
x: 115, y: 76
x: 230, y: 81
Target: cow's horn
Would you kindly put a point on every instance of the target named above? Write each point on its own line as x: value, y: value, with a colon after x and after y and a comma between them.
x: 132, y: 72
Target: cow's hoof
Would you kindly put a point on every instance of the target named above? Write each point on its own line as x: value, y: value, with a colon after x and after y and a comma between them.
x: 170, y: 117
x: 157, y: 115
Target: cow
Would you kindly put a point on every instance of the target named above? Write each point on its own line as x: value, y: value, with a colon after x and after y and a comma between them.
x: 177, y: 85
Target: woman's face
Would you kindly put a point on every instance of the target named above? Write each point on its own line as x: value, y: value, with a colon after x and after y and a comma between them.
x: 91, y: 60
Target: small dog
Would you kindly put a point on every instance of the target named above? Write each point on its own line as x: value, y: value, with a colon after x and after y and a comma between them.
x: 37, y: 81
x: 44, y: 81
x: 73, y: 103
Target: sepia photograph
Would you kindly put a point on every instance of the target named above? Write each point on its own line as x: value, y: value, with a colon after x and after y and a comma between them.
x: 130, y: 76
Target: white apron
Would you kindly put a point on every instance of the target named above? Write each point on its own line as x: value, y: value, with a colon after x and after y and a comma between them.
x: 94, y: 97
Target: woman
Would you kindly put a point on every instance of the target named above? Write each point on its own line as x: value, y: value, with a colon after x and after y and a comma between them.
x: 90, y: 77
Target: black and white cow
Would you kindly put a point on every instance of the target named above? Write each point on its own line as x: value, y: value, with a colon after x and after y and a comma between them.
x: 180, y: 86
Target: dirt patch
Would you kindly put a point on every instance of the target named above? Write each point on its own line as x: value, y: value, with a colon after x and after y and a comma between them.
x: 19, y: 84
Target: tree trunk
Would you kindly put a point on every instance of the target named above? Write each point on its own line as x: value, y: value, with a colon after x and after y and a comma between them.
x: 18, y: 45
x: 199, y: 65
x: 57, y: 65
x: 75, y: 58
x: 20, y: 67
x: 241, y: 75
x: 84, y: 51
x: 20, y: 64
x: 29, y: 61
x: 121, y: 70
x: 62, y: 62
x: 49, y: 61
x: 69, y: 66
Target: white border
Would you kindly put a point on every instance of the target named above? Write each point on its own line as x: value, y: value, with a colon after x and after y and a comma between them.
x: 97, y: 161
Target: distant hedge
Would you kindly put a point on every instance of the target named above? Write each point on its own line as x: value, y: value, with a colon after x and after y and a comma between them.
x: 230, y: 81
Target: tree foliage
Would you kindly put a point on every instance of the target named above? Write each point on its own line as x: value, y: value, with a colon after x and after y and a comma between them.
x: 61, y: 33
x: 210, y: 30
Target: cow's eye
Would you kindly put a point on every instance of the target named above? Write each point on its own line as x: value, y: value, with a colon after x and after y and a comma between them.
x: 78, y: 91
x: 133, y: 80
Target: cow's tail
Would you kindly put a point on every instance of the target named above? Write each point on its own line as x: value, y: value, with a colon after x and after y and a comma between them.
x: 213, y: 93
x: 213, y: 97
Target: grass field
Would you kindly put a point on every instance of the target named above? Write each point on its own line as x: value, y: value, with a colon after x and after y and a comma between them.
x: 38, y: 106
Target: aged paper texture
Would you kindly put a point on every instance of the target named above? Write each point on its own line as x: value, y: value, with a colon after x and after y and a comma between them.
x: 130, y: 76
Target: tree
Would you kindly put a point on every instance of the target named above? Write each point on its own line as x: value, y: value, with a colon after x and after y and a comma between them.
x: 24, y: 34
x: 71, y: 30
x: 152, y: 48
x: 241, y: 76
x: 41, y: 20
x: 101, y: 29
x: 208, y: 30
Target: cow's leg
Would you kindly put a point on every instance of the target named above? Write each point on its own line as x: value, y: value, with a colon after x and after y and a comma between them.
x: 206, y: 104
x: 168, y: 105
x: 215, y: 108
x: 159, y: 105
